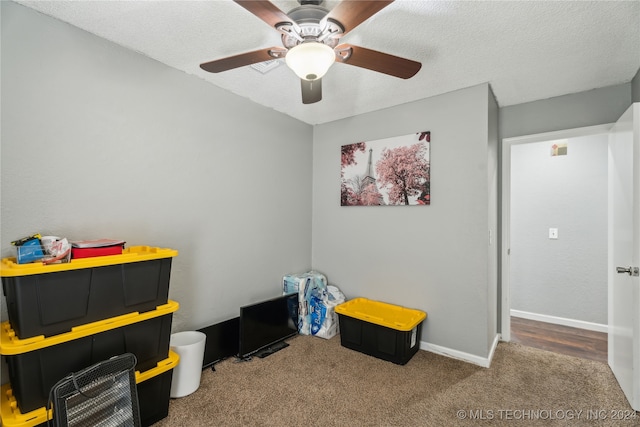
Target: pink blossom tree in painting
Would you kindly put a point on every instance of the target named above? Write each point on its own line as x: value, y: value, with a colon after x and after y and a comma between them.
x: 364, y: 192
x: 348, y: 197
x: 404, y: 172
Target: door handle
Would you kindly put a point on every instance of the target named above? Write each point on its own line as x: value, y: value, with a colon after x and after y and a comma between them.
x: 631, y: 271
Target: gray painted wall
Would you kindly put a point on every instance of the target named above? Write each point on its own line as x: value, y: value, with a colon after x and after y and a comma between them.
x: 566, y: 277
x: 100, y: 141
x: 435, y: 258
x: 635, y: 87
x: 594, y: 107
x: 169, y: 144
x: 493, y: 305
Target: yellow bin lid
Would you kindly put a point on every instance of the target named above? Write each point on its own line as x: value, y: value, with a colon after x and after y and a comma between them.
x: 381, y: 313
x: 9, y: 267
x: 12, y: 417
x: 11, y: 345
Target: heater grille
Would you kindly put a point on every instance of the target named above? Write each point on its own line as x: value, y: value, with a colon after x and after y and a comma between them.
x: 102, y: 395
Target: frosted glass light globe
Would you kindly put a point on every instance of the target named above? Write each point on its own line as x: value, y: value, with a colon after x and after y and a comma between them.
x: 311, y: 60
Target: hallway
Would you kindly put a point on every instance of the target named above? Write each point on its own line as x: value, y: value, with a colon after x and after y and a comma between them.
x: 560, y: 339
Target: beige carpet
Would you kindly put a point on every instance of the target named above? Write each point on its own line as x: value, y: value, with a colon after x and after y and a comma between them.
x: 317, y: 382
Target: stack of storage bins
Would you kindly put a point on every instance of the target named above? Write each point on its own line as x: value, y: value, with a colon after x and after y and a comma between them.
x: 66, y: 317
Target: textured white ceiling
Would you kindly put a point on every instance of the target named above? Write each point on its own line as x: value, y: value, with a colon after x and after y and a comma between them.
x: 526, y: 50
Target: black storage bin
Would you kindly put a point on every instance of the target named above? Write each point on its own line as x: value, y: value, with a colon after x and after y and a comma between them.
x: 153, y: 396
x: 382, y: 330
x: 153, y: 386
x: 52, y: 299
x: 34, y: 367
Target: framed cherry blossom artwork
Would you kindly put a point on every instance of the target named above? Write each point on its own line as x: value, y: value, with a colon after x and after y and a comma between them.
x: 387, y: 172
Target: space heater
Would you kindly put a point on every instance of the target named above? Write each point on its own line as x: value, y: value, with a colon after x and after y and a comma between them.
x: 103, y: 394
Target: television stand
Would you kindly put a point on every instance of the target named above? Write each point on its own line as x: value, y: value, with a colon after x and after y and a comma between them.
x: 271, y: 349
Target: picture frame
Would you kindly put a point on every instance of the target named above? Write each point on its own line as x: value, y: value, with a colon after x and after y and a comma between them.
x: 387, y: 172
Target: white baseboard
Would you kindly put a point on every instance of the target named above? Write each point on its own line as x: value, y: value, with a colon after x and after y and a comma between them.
x: 598, y: 327
x: 485, y: 362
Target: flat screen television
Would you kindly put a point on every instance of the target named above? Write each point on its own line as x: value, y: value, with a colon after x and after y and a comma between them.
x: 265, y: 325
x: 221, y: 342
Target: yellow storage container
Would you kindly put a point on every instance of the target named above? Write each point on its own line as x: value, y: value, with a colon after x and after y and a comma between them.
x: 154, y: 387
x: 9, y: 267
x: 383, y: 314
x: 386, y: 331
x: 51, y: 299
x: 37, y: 363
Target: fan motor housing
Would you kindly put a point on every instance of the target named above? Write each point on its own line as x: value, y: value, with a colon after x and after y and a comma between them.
x: 308, y: 17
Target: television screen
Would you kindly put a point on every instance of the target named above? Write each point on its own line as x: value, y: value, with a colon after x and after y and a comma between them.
x: 222, y: 341
x: 265, y: 325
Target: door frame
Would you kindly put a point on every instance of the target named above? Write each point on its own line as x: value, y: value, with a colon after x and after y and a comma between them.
x: 505, y: 187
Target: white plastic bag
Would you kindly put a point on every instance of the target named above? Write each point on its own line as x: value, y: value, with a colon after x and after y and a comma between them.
x: 304, y: 284
x: 323, y: 316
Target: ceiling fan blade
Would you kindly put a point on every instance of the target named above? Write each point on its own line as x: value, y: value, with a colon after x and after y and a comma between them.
x: 241, y: 60
x: 376, y: 61
x: 311, y: 91
x: 266, y: 11
x: 350, y: 14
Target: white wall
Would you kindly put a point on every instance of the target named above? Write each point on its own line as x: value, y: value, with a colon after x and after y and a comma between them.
x: 435, y: 258
x: 566, y: 277
x: 100, y: 141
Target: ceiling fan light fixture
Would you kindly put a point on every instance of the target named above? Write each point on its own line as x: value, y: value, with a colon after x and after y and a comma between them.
x: 310, y: 60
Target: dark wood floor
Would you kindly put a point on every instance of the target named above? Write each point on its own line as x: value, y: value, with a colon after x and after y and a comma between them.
x: 560, y: 339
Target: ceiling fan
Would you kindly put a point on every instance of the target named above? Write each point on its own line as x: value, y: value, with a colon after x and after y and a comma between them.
x: 310, y: 37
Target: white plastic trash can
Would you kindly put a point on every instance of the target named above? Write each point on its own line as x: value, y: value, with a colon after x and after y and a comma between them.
x: 186, y: 376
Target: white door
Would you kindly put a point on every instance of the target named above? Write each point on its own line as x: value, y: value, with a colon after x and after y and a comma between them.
x: 624, y: 253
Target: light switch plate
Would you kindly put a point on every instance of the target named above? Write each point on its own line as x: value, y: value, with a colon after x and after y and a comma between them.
x: 553, y: 233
